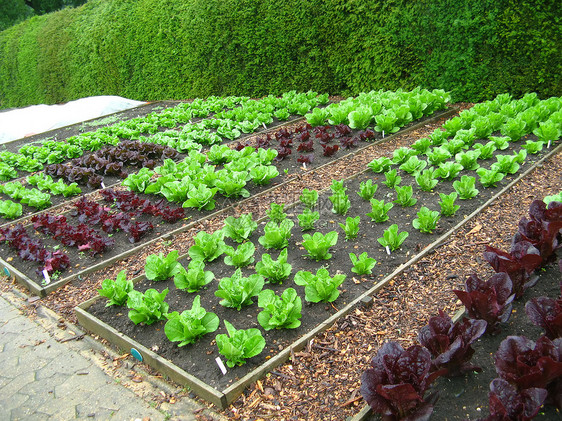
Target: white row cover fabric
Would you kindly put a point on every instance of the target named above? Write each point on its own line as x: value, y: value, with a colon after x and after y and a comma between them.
x: 22, y: 122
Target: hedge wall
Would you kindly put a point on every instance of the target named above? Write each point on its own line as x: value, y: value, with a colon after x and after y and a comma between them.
x: 171, y: 49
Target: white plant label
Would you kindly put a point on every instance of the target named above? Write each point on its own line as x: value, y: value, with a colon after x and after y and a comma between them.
x: 264, y: 126
x: 548, y: 146
x: 46, y: 276
x: 102, y: 185
x: 383, y: 134
x: 387, y: 250
x: 221, y: 365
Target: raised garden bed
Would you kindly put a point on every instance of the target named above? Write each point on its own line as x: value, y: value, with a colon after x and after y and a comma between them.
x: 206, y: 379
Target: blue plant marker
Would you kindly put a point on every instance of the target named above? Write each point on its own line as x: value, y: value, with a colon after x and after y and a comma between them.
x: 7, y: 272
x: 136, y: 354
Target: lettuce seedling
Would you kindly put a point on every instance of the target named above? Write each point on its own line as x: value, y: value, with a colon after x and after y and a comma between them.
x: 239, y: 345
x: 500, y: 142
x: 391, y: 238
x: 465, y: 187
x: 547, y: 132
x: 468, y: 159
x: 319, y: 287
x: 396, y: 383
x: 274, y: 271
x: 116, y: 291
x: 189, y: 325
x: 340, y: 203
x: 193, y: 279
x: 450, y: 343
x: 237, y: 291
x: 362, y: 265
x: 438, y: 156
x: 447, y: 204
x: 241, y: 256
x: 380, y: 165
x: 219, y: 154
x: 337, y: 187
x: 448, y: 170
x: 276, y: 213
x: 318, y: 245
x: 404, y: 196
x: 200, y: 197
x: 489, y: 178
x: 279, y: 312
x: 422, y: 145
x: 367, y: 189
x: 159, y: 268
x: 309, y: 198
x: 533, y: 147
x: 488, y: 300
x: 232, y: 184
x: 307, y: 219
x: 317, y: 117
x: 208, y: 247
x: 486, y: 151
x: 427, y: 180
x: 386, y: 123
x: 413, y: 165
x: 426, y: 220
x: 401, y: 155
x: 147, y: 308
x: 351, y: 227
x: 239, y: 229
x: 276, y: 235
x: 514, y: 129
x: 379, y: 210
x: 392, y: 179
x: 360, y: 118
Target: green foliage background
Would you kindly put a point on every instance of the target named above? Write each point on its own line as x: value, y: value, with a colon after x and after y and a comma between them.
x: 164, y: 49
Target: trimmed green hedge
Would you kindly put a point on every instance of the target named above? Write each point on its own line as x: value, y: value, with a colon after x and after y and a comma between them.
x: 166, y: 49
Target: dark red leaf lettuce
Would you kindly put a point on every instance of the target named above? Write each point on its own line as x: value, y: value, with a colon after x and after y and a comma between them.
x: 490, y: 300
x: 506, y: 403
x: 546, y: 312
x: 450, y: 343
x: 396, y: 383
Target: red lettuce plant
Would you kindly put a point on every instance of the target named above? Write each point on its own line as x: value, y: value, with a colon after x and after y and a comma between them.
x: 527, y: 364
x: 520, y: 264
x: 342, y: 130
x: 396, y: 383
x: 450, y: 343
x: 329, y: 150
x: 307, y: 146
x: 488, y: 300
x: 506, y: 403
x: 546, y: 312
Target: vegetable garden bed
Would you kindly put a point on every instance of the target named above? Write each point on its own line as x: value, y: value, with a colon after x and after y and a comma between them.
x: 206, y: 379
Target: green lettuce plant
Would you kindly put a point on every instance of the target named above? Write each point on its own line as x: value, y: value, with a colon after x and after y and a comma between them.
x: 309, y: 198
x: 367, y: 189
x: 200, y: 197
x: 263, y: 174
x: 489, y: 178
x: 379, y: 210
x: 274, y: 271
x: 276, y: 213
x: 486, y: 150
x: 318, y: 244
x: 468, y: 160
x: 401, y: 155
x: 380, y: 165
x: 241, y: 256
x: 392, y: 179
x: 413, y: 165
x: 506, y: 164
x: 438, y: 155
x: 147, y: 308
x: 276, y: 235
x: 237, y: 291
x: 159, y: 268
x: 208, y: 247
x: 447, y: 204
x: 340, y: 203
x: 426, y: 220
x: 239, y: 344
x: 194, y: 278
x: 307, y: 219
x: 392, y: 238
x: 465, y: 187
x: 190, y: 325
x: 533, y: 147
x: 427, y: 180
x: 448, y: 170
x: 239, y: 229
x: 319, y: 287
x: 405, y: 196
x: 279, y: 312
x: 351, y: 227
x: 362, y: 264
x: 117, y: 291
x: 10, y: 210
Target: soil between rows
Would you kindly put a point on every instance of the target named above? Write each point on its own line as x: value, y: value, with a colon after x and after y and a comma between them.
x: 466, y: 397
x: 198, y: 359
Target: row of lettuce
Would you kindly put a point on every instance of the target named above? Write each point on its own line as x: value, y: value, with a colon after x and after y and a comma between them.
x: 105, y: 151
x: 530, y: 372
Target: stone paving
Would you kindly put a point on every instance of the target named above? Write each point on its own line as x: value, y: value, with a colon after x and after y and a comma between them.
x: 47, y: 374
